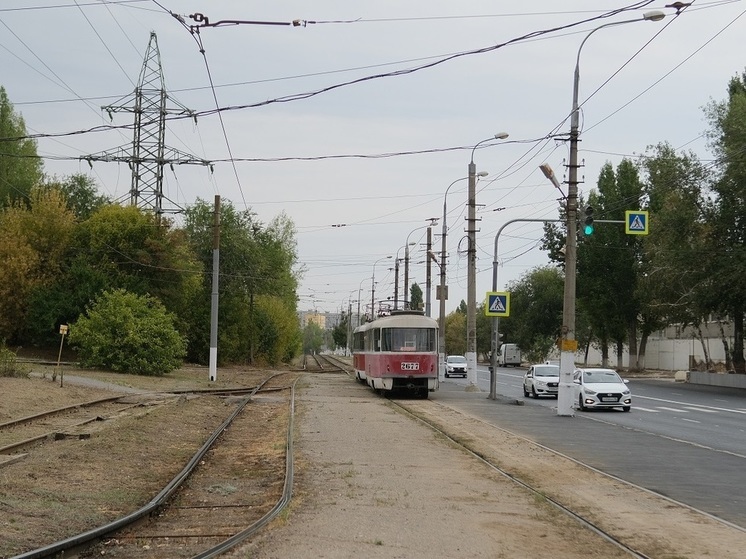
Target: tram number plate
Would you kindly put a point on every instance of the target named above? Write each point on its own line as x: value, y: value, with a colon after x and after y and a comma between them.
x: 410, y: 366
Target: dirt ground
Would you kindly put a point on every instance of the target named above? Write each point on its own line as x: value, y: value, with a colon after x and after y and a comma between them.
x: 373, y: 482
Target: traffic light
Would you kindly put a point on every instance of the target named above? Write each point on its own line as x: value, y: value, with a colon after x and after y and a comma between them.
x: 588, y: 227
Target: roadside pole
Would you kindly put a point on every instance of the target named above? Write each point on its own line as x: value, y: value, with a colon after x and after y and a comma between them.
x: 214, y: 299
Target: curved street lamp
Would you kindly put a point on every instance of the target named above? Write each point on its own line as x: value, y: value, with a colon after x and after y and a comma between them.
x: 373, y: 288
x: 359, y: 289
x: 433, y: 221
x: 396, y: 277
x: 567, y: 353
x: 471, y: 290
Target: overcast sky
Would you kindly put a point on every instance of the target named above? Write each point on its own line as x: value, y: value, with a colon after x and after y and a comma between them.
x: 360, y: 167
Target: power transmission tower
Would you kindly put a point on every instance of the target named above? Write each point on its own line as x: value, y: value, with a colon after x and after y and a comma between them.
x: 149, y: 154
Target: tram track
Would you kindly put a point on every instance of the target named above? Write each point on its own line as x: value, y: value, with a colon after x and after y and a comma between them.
x: 215, y: 508
x: 227, y: 478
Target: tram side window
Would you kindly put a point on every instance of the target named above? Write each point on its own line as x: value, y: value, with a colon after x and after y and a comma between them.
x: 408, y: 339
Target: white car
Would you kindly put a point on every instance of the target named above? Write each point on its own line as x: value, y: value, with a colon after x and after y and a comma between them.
x: 455, y: 366
x: 601, y: 388
x: 541, y: 380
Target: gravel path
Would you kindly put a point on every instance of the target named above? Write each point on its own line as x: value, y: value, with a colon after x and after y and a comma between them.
x: 375, y: 484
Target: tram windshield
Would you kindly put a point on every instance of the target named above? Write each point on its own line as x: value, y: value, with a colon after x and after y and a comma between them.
x: 408, y: 339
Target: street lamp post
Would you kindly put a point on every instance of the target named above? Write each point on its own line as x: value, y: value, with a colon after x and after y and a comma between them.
x: 442, y: 295
x: 495, y: 341
x: 349, y: 322
x: 433, y: 221
x: 396, y: 278
x: 373, y: 288
x: 568, y: 343
x: 359, y: 289
x: 471, y: 288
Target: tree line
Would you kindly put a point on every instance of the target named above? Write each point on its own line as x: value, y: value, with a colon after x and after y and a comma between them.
x: 69, y: 253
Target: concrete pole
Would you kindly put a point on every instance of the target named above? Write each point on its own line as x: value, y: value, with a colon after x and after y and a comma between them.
x: 471, y: 287
x: 213, y: 368
x: 428, y: 281
x: 396, y: 284
x: 471, y: 291
x: 406, y: 274
x: 568, y: 342
x: 442, y: 296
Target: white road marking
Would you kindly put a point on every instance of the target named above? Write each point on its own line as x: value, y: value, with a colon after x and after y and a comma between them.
x: 690, y: 420
x: 677, y: 410
x: 700, y: 409
x: 646, y: 409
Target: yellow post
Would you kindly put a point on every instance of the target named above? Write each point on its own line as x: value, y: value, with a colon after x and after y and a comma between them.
x: 63, y: 331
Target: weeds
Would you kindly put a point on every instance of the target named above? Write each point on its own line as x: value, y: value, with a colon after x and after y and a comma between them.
x: 9, y: 366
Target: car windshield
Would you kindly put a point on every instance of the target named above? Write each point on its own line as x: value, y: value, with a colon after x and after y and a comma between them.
x: 546, y: 371
x: 456, y: 359
x: 601, y: 376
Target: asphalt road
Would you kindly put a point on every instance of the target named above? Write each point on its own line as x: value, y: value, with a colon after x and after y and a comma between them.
x: 683, y: 441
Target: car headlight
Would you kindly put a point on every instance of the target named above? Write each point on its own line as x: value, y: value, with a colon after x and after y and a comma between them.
x: 541, y: 383
x: 589, y: 391
x: 626, y: 392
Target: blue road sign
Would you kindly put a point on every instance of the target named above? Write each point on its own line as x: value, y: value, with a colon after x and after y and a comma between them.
x: 636, y: 222
x: 498, y: 303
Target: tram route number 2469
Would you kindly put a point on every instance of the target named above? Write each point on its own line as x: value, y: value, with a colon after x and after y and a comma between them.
x: 410, y: 366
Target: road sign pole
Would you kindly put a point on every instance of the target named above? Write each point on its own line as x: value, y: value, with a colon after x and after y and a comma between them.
x: 494, y: 341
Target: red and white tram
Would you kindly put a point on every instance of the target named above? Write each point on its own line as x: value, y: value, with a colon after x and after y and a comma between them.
x: 398, y: 352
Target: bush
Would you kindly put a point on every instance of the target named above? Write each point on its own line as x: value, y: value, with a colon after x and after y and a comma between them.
x: 9, y: 366
x: 128, y: 333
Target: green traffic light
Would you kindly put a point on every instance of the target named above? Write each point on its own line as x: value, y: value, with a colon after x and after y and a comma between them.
x: 588, y: 228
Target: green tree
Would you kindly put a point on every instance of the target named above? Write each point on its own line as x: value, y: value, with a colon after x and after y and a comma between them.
x: 339, y: 333
x: 20, y: 168
x: 484, y: 332
x: 455, y: 334
x: 255, y: 260
x: 313, y: 338
x: 128, y: 333
x: 278, y: 336
x: 415, y: 298
x: 34, y: 235
x: 727, y: 212
x: 535, y: 312
x: 80, y: 193
x: 675, y: 285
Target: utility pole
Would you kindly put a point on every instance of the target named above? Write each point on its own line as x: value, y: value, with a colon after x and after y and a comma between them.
x: 428, y: 281
x: 568, y: 342
x: 396, y: 284
x: 471, y: 287
x: 214, y: 298
x: 148, y: 153
x: 471, y: 291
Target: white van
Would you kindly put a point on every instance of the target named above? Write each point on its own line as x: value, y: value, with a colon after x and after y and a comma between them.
x: 510, y: 354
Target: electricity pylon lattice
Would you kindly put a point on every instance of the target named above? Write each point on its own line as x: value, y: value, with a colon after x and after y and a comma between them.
x: 148, y: 154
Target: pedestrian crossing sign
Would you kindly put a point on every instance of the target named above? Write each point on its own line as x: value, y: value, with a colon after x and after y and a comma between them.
x: 497, y: 304
x: 636, y: 222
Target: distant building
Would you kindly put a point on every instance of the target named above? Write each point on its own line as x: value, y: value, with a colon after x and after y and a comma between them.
x: 324, y: 320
